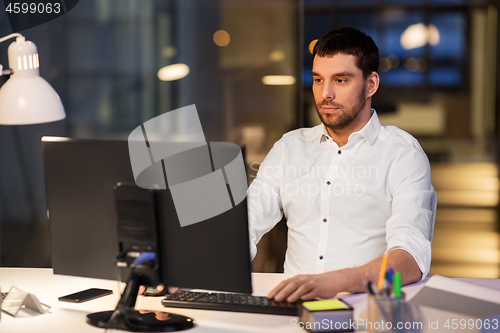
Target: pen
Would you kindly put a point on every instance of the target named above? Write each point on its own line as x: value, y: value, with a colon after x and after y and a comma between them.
x: 389, y: 275
x: 381, y: 276
x: 397, y: 284
x: 369, y: 288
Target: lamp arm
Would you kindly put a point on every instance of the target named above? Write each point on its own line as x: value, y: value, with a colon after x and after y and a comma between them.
x: 5, y: 71
x: 18, y: 35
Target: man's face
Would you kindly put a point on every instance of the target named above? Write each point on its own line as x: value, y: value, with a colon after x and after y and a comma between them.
x: 339, y: 90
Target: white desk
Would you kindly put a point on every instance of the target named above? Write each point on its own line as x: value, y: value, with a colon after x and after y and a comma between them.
x: 68, y: 317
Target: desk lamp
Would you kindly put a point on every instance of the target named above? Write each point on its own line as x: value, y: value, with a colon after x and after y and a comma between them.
x: 26, y: 98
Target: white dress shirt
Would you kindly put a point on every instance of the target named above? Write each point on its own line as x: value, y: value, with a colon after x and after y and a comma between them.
x: 344, y: 206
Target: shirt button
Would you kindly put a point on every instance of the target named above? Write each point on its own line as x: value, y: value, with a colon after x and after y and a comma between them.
x: 325, y: 220
x: 340, y: 151
x: 328, y: 183
x: 320, y: 257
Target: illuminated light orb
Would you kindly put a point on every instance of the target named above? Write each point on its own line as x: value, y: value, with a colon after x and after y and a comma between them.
x: 433, y: 35
x: 414, y: 36
x: 311, y: 45
x: 418, y: 35
x: 394, y: 61
x: 221, y: 38
x: 277, y: 55
x: 173, y: 72
x: 385, y: 64
x: 278, y: 80
x: 169, y: 52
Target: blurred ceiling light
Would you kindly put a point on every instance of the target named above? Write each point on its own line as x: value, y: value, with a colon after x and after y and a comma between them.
x: 416, y: 65
x: 311, y: 45
x: 385, y: 64
x: 417, y: 35
x: 414, y: 36
x: 412, y: 64
x: 169, y: 52
x: 173, y: 72
x: 388, y: 63
x: 278, y: 80
x: 221, y: 38
x: 433, y: 35
x: 394, y: 60
x: 277, y: 55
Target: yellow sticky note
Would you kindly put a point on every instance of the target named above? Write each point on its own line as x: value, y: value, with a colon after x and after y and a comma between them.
x: 327, y: 304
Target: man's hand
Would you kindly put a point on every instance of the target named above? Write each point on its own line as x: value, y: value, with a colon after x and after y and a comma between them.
x: 327, y: 285
x: 308, y: 287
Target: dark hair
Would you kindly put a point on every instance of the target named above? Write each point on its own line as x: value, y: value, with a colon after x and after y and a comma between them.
x: 350, y: 41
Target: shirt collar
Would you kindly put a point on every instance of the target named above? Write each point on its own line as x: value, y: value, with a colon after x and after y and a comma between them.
x: 369, y: 132
x: 324, y: 136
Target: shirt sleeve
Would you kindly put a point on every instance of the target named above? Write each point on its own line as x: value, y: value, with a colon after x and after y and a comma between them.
x: 410, y: 226
x: 263, y: 197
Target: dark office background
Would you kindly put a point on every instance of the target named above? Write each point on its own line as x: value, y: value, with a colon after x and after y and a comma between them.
x: 439, y: 73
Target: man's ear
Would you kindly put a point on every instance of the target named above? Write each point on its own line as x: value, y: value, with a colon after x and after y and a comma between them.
x: 372, y: 83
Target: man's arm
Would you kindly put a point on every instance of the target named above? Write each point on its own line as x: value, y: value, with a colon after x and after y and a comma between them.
x: 328, y: 284
x: 263, y: 198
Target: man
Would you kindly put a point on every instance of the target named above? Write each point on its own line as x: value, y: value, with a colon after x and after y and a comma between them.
x: 351, y: 189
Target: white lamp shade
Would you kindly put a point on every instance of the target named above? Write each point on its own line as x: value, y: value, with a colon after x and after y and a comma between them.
x: 29, y: 101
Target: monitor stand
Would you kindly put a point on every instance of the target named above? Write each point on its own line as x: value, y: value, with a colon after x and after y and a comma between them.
x: 124, y: 317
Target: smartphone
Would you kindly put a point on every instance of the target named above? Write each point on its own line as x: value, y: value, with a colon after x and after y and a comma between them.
x: 85, y: 295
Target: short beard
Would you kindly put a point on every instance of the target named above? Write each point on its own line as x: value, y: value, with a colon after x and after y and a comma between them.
x: 342, y: 120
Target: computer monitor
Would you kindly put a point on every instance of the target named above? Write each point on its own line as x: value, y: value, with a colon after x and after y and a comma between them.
x: 80, y: 179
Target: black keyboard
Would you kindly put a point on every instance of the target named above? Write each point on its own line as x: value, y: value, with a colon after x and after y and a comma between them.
x: 228, y: 302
